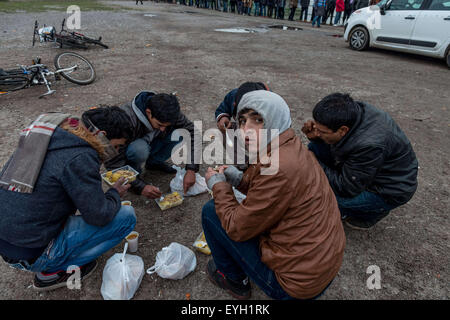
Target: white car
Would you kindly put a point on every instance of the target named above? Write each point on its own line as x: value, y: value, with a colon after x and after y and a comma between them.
x: 415, y: 26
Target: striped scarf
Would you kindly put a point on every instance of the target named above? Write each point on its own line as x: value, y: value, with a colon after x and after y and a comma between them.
x: 23, y: 168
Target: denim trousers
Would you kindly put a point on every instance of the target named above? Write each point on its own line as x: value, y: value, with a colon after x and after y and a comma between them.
x: 239, y: 259
x: 367, y: 206
x: 304, y: 13
x: 262, y: 10
x: 337, y: 18
x: 158, y: 151
x: 316, y: 19
x: 256, y: 9
x: 225, y: 5
x: 80, y: 243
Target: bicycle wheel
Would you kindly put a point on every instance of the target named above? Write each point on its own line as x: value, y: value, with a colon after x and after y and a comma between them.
x: 84, y: 39
x: 16, y: 72
x: 95, y: 41
x: 83, y: 74
x: 12, y: 83
x: 98, y: 42
x: 35, y: 32
x: 70, y: 42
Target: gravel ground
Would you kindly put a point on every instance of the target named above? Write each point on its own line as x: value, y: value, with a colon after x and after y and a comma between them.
x: 177, y: 49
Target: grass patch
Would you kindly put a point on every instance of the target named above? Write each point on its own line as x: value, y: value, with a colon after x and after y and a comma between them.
x: 13, y: 6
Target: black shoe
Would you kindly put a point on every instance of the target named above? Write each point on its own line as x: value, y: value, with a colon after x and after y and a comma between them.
x: 359, y: 224
x: 164, y: 167
x: 239, y: 290
x: 49, y: 281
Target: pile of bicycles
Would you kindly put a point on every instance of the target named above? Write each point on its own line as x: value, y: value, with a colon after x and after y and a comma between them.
x: 65, y: 38
x: 71, y: 66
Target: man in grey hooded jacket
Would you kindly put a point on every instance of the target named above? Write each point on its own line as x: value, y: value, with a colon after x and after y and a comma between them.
x: 154, y: 118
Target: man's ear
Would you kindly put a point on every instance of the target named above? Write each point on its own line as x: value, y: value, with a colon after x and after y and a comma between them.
x: 149, y: 113
x: 343, y: 130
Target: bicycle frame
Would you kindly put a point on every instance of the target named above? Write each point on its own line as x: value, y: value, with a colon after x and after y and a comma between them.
x: 44, y: 73
x: 64, y: 37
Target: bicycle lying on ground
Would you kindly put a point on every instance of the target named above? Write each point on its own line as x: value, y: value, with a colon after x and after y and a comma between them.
x: 64, y: 38
x: 72, y: 66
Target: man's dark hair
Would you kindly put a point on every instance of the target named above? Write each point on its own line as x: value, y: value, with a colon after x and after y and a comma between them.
x: 111, y: 119
x: 164, y: 107
x: 336, y: 110
x: 245, y: 88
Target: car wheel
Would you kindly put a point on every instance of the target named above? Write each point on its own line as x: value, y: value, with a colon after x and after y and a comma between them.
x: 359, y: 38
x: 448, y: 58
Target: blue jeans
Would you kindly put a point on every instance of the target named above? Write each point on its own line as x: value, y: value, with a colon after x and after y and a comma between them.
x: 366, y: 206
x: 239, y: 259
x: 80, y: 243
x: 337, y: 18
x: 316, y: 19
x: 240, y: 7
x: 158, y: 151
x: 262, y: 10
x: 256, y: 9
x: 225, y: 5
x: 304, y: 13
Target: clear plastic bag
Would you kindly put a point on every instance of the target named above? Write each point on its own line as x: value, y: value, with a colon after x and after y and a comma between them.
x: 201, y: 245
x: 237, y: 194
x: 174, y: 262
x: 122, y: 276
x: 176, y: 184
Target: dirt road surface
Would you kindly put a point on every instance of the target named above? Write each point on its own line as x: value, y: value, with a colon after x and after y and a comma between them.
x: 175, y: 48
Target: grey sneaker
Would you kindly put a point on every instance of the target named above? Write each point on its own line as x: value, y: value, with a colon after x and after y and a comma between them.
x: 49, y: 281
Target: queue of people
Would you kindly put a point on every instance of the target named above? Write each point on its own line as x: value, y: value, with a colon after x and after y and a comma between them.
x: 320, y: 10
x: 286, y: 236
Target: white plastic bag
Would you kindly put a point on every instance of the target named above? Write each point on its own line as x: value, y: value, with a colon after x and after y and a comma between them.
x: 174, y: 262
x: 238, y: 195
x: 176, y: 184
x: 122, y: 276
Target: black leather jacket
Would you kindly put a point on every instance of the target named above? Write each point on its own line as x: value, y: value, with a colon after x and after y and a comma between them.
x: 375, y: 156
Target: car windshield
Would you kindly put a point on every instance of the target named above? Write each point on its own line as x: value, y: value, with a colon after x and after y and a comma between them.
x: 382, y: 2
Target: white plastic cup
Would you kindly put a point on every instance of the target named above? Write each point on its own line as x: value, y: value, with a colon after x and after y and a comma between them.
x: 132, y: 240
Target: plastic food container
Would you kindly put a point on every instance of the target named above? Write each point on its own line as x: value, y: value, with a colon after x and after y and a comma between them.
x: 201, y: 245
x: 109, y: 178
x: 170, y: 200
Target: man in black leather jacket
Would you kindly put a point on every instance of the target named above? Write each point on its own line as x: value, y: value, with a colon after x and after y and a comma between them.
x: 369, y: 161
